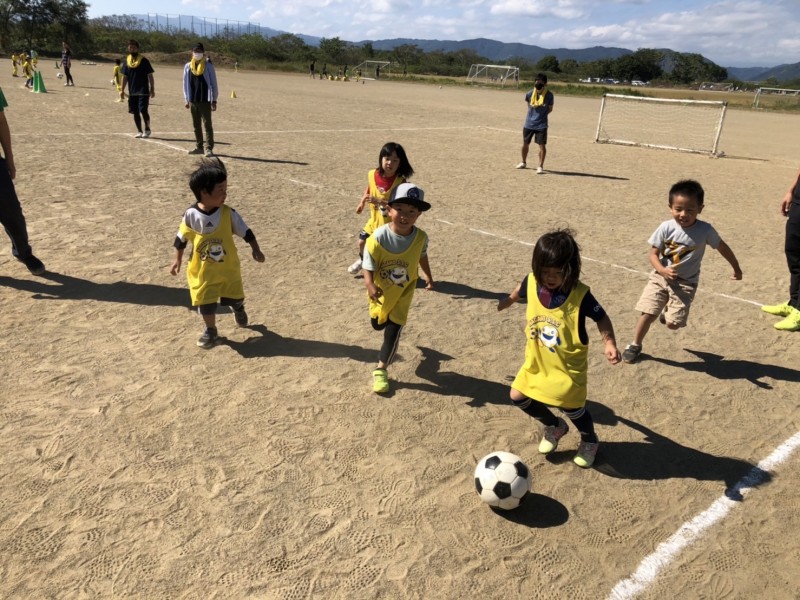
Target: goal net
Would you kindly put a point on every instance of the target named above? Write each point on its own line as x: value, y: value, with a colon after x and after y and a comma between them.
x: 493, y: 74
x: 371, y: 69
x: 686, y: 125
x: 778, y: 98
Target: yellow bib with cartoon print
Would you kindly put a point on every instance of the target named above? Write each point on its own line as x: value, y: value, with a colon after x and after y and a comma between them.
x: 556, y: 360
x: 213, y: 271
x: 396, y: 275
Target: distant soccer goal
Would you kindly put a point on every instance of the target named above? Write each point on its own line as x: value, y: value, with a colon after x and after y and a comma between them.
x: 776, y: 98
x: 371, y: 69
x: 493, y: 75
x: 685, y: 125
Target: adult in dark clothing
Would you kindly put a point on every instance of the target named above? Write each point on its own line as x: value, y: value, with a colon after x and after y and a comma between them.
x: 66, y: 63
x: 137, y: 74
x: 200, y: 93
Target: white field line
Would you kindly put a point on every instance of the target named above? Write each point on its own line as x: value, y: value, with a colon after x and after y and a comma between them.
x: 656, y: 562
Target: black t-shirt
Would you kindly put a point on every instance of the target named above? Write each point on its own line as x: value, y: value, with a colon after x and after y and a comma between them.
x: 138, y: 81
x: 198, y: 88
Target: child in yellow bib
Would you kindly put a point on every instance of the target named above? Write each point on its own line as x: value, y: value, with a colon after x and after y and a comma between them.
x: 395, y: 252
x: 393, y: 169
x: 213, y: 271
x: 556, y: 353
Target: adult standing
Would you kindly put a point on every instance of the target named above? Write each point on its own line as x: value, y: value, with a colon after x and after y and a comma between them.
x: 11, y: 216
x: 790, y: 208
x: 312, y: 69
x: 540, y: 105
x: 137, y: 74
x: 66, y: 63
x: 200, y: 92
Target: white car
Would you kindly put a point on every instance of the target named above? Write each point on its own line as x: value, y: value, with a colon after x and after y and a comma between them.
x: 637, y: 82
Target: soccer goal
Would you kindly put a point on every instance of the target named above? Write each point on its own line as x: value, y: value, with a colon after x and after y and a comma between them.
x: 493, y: 74
x: 371, y: 69
x: 685, y: 125
x: 776, y: 98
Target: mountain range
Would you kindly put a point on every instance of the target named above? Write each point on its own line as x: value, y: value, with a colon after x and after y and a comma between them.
x: 489, y: 49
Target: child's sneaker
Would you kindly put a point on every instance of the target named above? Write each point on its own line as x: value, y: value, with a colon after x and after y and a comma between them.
x: 631, y: 353
x: 587, y: 451
x: 208, y: 339
x: 779, y: 310
x: 521, y: 165
x: 790, y: 323
x: 355, y: 268
x: 195, y: 151
x: 380, y: 381
x: 240, y: 315
x: 553, y: 433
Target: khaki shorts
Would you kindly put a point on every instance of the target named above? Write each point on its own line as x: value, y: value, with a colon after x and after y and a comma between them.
x: 676, y: 297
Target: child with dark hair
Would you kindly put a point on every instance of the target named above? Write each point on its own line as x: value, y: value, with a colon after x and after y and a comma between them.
x: 213, y: 271
x: 676, y: 251
x: 393, y: 169
x: 556, y: 354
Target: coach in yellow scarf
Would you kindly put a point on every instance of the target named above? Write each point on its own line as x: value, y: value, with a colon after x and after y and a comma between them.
x: 200, y: 93
x: 137, y: 74
x: 540, y: 104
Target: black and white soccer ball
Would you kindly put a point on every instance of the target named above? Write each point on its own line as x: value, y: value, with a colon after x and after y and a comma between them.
x: 59, y: 75
x: 502, y: 480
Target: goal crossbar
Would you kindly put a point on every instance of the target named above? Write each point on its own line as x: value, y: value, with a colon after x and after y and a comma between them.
x: 498, y: 74
x: 666, y: 123
x: 369, y: 66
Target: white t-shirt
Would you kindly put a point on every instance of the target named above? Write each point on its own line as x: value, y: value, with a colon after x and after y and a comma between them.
x: 683, y: 248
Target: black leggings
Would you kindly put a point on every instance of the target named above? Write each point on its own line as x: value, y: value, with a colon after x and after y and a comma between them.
x: 580, y: 417
x: 391, y: 339
x: 11, y: 216
x: 792, y: 249
x: 68, y: 75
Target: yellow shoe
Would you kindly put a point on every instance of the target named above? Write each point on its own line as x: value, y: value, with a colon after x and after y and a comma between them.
x: 790, y: 323
x: 380, y: 381
x: 779, y: 310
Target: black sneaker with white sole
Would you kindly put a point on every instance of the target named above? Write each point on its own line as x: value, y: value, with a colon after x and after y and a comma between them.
x: 208, y: 339
x: 240, y: 315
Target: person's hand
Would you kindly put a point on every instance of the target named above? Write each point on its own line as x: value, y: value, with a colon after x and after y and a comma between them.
x: 504, y: 303
x: 122, y: 94
x: 176, y: 266
x: 152, y: 93
x: 12, y: 170
x: 737, y: 274
x: 214, y: 105
x: 612, y: 352
x: 361, y: 205
x: 374, y: 292
x: 785, y: 205
x: 429, y: 284
x: 669, y: 273
x: 258, y: 255
x: 186, y: 105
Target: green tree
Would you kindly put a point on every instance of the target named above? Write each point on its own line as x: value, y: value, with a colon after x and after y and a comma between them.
x: 333, y: 49
x: 549, y: 63
x: 570, y: 66
x: 407, y: 55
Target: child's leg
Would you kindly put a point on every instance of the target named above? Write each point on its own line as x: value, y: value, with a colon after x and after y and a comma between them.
x: 391, y: 339
x: 642, y: 327
x: 534, y: 409
x: 583, y: 422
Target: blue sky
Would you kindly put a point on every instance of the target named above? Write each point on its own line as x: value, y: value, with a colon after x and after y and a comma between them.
x: 737, y: 33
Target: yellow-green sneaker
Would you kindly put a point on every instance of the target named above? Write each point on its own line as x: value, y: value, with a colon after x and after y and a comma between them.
x: 380, y: 381
x: 779, y: 310
x: 586, y: 454
x: 790, y: 323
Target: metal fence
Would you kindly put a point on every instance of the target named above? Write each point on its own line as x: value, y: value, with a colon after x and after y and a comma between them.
x: 201, y: 26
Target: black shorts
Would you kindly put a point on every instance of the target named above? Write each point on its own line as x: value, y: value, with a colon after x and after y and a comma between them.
x: 138, y: 104
x: 211, y: 308
x: 539, y: 136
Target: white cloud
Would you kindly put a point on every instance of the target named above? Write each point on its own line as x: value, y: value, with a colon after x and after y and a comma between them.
x: 562, y: 9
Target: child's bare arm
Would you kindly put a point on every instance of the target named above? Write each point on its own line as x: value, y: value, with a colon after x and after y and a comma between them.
x: 510, y: 299
x: 176, y: 264
x: 607, y: 331
x: 728, y: 255
x: 426, y: 269
x: 364, y: 199
x: 667, y: 273
x: 373, y: 290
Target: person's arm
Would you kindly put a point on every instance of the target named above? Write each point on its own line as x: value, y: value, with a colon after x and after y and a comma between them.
x: 606, y: 330
x: 787, y: 199
x: 728, y: 255
x: 364, y: 199
x: 122, y: 87
x: 152, y: 83
x: 373, y: 290
x: 212, y: 79
x: 186, y: 85
x: 425, y: 265
x: 667, y: 273
x: 513, y: 297
x: 550, y: 106
x: 258, y: 255
x: 5, y: 142
x: 176, y: 264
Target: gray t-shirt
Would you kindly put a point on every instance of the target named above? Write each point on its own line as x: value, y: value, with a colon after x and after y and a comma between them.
x: 683, y: 249
x: 391, y: 242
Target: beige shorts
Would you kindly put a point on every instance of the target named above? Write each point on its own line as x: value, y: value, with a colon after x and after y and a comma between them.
x: 676, y: 297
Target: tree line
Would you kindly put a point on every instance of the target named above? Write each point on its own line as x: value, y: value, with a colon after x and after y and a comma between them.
x: 42, y: 25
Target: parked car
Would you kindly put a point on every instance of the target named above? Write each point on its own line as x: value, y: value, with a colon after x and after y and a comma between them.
x: 637, y: 82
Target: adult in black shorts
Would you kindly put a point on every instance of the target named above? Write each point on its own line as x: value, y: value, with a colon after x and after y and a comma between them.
x: 137, y: 74
x: 540, y: 105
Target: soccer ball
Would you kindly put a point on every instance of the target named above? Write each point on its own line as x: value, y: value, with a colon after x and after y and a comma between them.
x: 502, y: 480
x: 59, y: 75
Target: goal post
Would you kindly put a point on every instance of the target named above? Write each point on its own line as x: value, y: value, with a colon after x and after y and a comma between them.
x: 776, y: 98
x: 685, y: 125
x: 493, y: 74
x: 371, y: 69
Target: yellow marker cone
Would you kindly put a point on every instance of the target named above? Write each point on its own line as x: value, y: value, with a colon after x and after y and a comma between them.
x: 233, y: 93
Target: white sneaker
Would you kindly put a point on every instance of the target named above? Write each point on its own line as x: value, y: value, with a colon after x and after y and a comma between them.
x: 355, y: 268
x: 147, y: 133
x: 521, y: 166
x: 539, y: 170
x: 140, y: 134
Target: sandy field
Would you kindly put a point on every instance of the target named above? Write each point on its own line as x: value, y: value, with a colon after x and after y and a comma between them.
x: 136, y: 465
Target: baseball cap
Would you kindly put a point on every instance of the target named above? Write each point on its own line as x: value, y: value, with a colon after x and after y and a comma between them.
x: 198, y: 47
x: 409, y: 193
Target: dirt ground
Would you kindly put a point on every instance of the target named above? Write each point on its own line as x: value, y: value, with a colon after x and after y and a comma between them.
x: 135, y: 465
